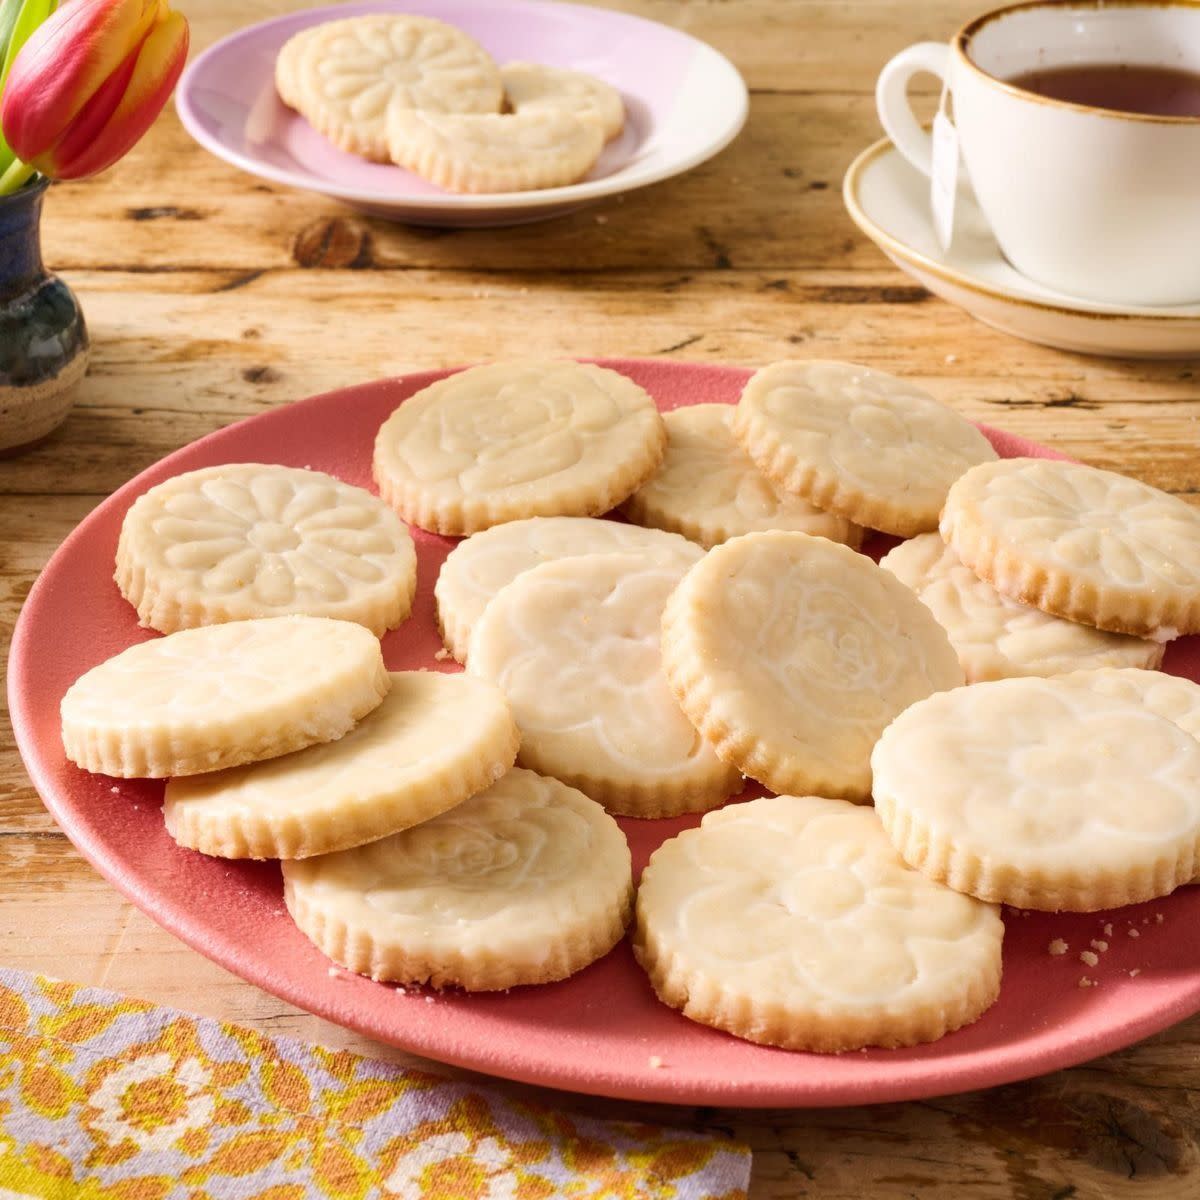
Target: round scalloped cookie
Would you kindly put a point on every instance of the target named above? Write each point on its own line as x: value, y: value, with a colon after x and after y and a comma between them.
x: 997, y: 638
x: 494, y: 152
x: 791, y: 654
x: 435, y: 740
x: 533, y: 87
x: 206, y: 699
x: 875, y: 449
x: 792, y: 921
x: 574, y: 645
x: 1041, y: 793
x: 526, y: 882
x: 709, y: 490
x: 509, y: 440
x: 346, y: 76
x: 1088, y: 545
x: 246, y: 540
x: 479, y: 566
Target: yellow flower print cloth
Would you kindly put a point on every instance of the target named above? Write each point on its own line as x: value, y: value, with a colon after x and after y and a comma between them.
x: 107, y: 1098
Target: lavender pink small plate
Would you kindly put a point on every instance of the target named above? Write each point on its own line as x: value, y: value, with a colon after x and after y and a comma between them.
x: 601, y: 1031
x: 684, y: 102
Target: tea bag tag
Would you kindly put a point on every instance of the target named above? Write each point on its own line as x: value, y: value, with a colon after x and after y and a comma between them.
x: 943, y: 174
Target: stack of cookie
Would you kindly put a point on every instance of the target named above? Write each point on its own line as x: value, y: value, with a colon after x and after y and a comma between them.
x: 644, y: 669
x: 424, y: 95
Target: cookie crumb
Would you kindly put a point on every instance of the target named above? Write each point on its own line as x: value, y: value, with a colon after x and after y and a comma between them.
x: 332, y: 972
x: 428, y: 999
x: 1086, y: 956
x: 1108, y: 929
x: 1058, y: 946
x: 1158, y: 918
x: 951, y: 359
x: 1133, y: 933
x: 655, y: 1062
x: 1135, y: 972
x: 442, y: 654
x: 116, y: 791
x: 1099, y: 945
x: 1084, y: 981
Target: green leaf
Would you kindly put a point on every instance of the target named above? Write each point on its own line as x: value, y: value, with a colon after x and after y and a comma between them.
x: 18, y: 20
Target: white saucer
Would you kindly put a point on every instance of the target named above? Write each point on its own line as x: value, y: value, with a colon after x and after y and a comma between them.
x: 888, y: 199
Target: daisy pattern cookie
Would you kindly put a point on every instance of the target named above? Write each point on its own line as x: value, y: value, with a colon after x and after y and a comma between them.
x: 249, y: 540
x: 1168, y: 696
x: 435, y: 740
x: 478, y: 567
x: 574, y: 645
x: 875, y: 449
x: 508, y: 152
x: 206, y: 699
x: 531, y: 87
x: 345, y: 77
x: 709, y: 490
x: 517, y: 439
x: 1042, y: 794
x: 792, y: 921
x: 791, y: 654
x: 997, y: 638
x: 526, y: 882
x: 1081, y: 543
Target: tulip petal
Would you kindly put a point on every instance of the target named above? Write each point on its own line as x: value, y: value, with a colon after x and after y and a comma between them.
x: 124, y: 108
x: 18, y: 20
x: 64, y: 63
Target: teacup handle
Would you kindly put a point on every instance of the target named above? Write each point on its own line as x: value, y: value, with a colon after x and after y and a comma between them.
x: 891, y: 99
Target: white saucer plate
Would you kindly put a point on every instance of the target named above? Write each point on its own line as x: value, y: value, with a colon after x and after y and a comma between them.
x: 684, y: 103
x: 888, y: 199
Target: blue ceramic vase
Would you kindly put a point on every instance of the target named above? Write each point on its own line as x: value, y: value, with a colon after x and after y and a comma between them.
x: 43, y: 340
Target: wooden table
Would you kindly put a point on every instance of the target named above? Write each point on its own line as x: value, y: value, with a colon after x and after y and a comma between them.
x: 212, y: 296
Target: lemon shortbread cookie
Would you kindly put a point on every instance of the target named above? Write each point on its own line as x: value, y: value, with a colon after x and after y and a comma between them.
x: 526, y: 882
x: 517, y: 439
x: 507, y: 152
x: 480, y: 566
x: 709, y: 490
x: 997, y: 638
x: 1042, y: 794
x: 874, y: 448
x: 435, y: 740
x: 574, y: 645
x: 249, y: 540
x: 792, y: 921
x: 531, y: 87
x: 1168, y: 696
x: 346, y: 76
x: 205, y: 699
x: 1081, y: 543
x: 791, y: 654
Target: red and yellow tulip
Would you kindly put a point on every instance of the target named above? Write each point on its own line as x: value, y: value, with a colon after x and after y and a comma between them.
x: 88, y: 82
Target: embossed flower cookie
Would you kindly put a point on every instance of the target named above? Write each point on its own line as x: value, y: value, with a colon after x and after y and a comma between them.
x: 526, y: 882
x: 792, y: 921
x: 1081, y: 543
x: 517, y: 439
x: 479, y: 566
x: 205, y: 699
x: 861, y: 443
x: 709, y: 490
x: 1042, y: 793
x: 346, y: 76
x: 435, y: 740
x: 791, y: 654
x: 997, y: 638
x: 249, y: 540
x: 574, y: 645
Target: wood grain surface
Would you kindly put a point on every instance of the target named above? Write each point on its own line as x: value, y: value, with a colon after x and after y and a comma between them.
x: 211, y: 296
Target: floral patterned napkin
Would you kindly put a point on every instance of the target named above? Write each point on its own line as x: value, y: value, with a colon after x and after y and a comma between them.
x: 107, y: 1098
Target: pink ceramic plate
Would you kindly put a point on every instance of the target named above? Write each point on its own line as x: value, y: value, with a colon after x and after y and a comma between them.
x: 684, y: 102
x: 595, y: 1032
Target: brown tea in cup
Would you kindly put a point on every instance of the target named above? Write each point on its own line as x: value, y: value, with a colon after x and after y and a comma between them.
x: 1120, y: 87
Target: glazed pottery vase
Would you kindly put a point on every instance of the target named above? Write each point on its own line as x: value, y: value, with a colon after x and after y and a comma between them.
x: 43, y: 340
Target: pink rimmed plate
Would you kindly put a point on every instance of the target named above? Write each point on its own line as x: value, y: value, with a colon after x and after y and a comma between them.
x: 684, y: 102
x: 598, y: 1031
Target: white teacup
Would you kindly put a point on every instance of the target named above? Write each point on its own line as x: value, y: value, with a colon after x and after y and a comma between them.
x: 1090, y: 201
